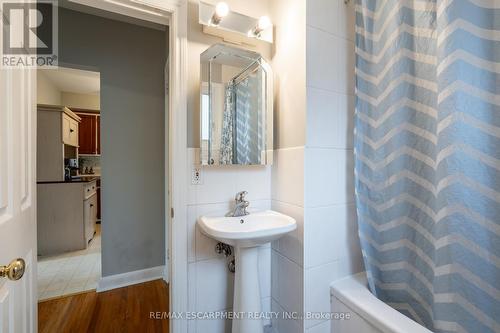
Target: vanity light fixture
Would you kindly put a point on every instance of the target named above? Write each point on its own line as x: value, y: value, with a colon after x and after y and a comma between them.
x: 263, y: 24
x: 219, y: 19
x: 221, y: 11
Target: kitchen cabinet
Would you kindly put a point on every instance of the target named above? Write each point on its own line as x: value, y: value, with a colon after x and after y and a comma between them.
x: 99, y: 200
x: 90, y: 216
x: 70, y: 130
x: 57, y: 136
x: 90, y: 133
x: 87, y: 134
x: 98, y: 136
x: 66, y: 216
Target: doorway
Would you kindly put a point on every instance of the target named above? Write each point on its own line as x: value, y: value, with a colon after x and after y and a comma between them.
x: 18, y: 171
x: 68, y: 182
x: 130, y: 56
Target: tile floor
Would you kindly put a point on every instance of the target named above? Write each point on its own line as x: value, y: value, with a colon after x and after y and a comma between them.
x: 71, y: 272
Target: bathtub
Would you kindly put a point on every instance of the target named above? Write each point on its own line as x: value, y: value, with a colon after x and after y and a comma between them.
x: 368, y: 314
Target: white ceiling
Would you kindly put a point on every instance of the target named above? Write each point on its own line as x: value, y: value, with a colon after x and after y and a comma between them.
x: 74, y: 80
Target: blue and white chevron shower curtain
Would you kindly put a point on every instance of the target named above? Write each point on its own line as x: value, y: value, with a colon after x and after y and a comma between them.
x: 427, y: 152
x: 248, y: 119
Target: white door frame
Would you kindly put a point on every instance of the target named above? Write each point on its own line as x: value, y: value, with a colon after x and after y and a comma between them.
x: 174, y: 14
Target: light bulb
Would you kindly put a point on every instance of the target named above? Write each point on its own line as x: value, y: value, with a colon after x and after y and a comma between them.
x: 221, y: 9
x: 264, y: 23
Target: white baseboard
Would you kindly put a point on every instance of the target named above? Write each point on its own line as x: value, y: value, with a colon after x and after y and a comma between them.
x: 130, y: 278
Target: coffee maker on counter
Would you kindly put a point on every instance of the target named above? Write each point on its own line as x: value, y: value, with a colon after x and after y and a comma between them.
x: 70, y: 168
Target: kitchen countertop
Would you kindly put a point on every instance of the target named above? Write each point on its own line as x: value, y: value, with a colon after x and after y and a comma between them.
x: 81, y: 179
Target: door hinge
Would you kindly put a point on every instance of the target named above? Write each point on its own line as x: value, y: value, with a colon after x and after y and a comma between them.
x: 171, y: 213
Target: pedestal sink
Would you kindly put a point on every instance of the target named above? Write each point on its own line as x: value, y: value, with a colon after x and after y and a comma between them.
x: 246, y: 234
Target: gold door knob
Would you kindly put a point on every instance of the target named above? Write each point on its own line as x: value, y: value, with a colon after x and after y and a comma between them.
x: 13, y: 271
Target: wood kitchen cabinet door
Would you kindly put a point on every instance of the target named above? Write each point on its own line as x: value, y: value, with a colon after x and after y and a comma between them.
x: 98, y: 136
x: 87, y: 134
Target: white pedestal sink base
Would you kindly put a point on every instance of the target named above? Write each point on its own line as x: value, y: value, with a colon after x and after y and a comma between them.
x: 247, y: 291
x: 246, y: 234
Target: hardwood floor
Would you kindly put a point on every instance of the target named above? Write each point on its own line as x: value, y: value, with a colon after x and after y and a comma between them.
x: 119, y: 310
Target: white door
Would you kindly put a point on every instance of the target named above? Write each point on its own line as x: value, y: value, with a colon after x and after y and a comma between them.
x: 18, y: 301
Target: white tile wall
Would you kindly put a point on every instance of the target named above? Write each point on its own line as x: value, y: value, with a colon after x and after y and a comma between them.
x: 323, y: 14
x: 330, y: 119
x: 221, y: 183
x: 265, y: 273
x: 322, y: 176
x: 291, y: 245
x: 332, y: 68
x: 345, y: 67
x: 350, y: 250
x: 333, y: 16
x: 314, y: 184
x: 332, y: 251
x: 331, y: 244
x: 256, y: 180
x: 213, y: 285
x: 288, y: 252
x: 324, y: 327
x: 290, y: 282
x: 329, y: 177
x: 201, y: 247
x: 347, y: 239
x: 288, y: 176
x: 321, y: 235
x: 317, y: 289
x: 345, y: 127
x: 323, y: 118
x: 282, y: 324
x: 266, y: 308
x: 322, y: 60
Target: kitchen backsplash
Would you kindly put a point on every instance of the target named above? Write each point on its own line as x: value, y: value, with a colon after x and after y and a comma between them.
x: 88, y: 162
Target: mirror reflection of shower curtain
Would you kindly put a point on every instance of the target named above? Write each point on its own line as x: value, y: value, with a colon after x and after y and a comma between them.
x: 247, y: 122
x: 240, y: 140
x: 226, y: 145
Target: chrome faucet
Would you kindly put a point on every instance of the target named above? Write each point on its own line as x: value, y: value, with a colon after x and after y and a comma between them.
x: 241, y: 205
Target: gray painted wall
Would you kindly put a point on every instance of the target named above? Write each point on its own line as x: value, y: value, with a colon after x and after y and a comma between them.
x: 131, y: 61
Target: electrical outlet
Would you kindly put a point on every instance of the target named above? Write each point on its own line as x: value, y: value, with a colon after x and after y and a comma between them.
x: 196, y: 176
